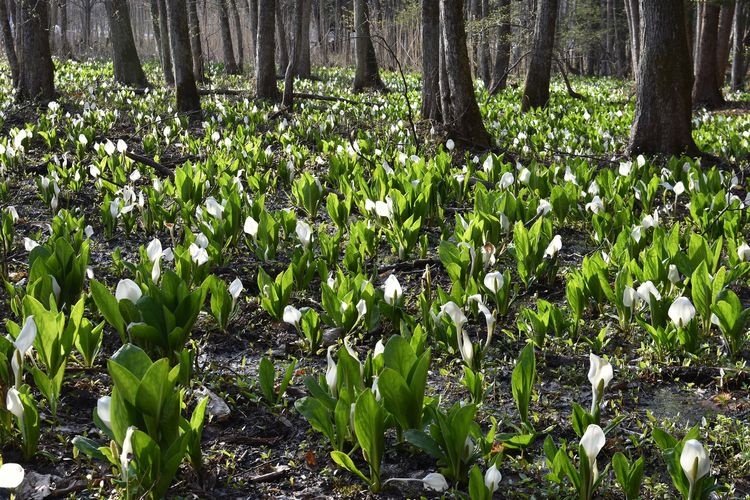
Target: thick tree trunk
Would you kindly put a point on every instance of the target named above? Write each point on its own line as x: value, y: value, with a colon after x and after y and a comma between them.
x: 8, y: 42
x: 127, y: 65
x: 536, y: 90
x: 502, y: 49
x: 265, y: 71
x: 230, y: 65
x: 430, y: 26
x: 304, y: 68
x: 188, y: 100
x: 240, y: 38
x: 722, y: 43
x: 367, y: 74
x: 283, y: 50
x: 632, y: 12
x: 196, y: 48
x: 166, y: 45
x: 252, y: 7
x: 663, y: 110
x: 706, y: 91
x: 36, y: 71
x: 466, y: 123
x: 738, y: 48
x: 296, y: 46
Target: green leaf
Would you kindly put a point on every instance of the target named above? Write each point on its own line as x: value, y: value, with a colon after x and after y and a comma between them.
x: 522, y: 381
x: 346, y: 462
x: 106, y: 303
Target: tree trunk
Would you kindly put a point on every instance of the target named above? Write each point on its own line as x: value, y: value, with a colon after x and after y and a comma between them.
x: 236, y: 20
x: 154, y: 4
x: 36, y: 71
x: 738, y: 48
x: 296, y: 45
x: 265, y: 72
x: 663, y: 110
x: 431, y: 60
x: 304, y: 68
x: 281, y: 38
x: 166, y: 45
x: 706, y: 91
x: 252, y: 7
x: 65, y: 51
x: 502, y: 49
x: 632, y: 12
x: 446, y: 106
x: 466, y: 122
x: 196, y: 48
x: 536, y: 91
x: 367, y: 74
x: 8, y: 42
x: 86, y: 7
x: 722, y: 43
x: 230, y: 65
x: 188, y: 100
x: 127, y: 65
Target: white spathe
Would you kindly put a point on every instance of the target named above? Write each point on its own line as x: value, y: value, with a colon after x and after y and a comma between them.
x: 292, y: 315
x: 694, y: 461
x: 600, y: 373
x: 492, y: 478
x: 11, y: 476
x: 494, y: 281
x: 128, y: 289
x: 392, y: 290
x: 435, y: 481
x: 681, y: 312
x: 103, y: 406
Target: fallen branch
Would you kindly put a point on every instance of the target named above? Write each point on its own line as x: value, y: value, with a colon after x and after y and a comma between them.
x: 150, y: 162
x: 318, y: 97
x: 572, y: 93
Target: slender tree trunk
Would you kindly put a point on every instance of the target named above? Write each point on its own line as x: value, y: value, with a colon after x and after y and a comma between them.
x: 296, y: 45
x: 283, y: 50
x: 446, y: 106
x: 466, y: 122
x: 188, y: 100
x: 430, y: 27
x: 726, y: 16
x: 8, y: 42
x: 166, y: 45
x: 127, y: 65
x: 706, y: 91
x: 236, y: 20
x: 304, y: 68
x: 663, y: 109
x: 196, y: 48
x: 36, y: 71
x: 230, y: 65
x: 536, y: 91
x: 738, y: 48
x: 86, y: 7
x: 156, y: 27
x: 632, y: 12
x: 65, y: 50
x: 265, y: 71
x: 367, y: 74
x: 252, y: 8
x: 502, y: 49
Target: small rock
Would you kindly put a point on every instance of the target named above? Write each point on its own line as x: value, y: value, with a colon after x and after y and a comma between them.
x: 37, y: 486
x: 217, y: 409
x: 331, y: 335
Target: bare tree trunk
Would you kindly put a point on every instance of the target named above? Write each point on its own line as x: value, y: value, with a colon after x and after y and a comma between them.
x: 265, y: 71
x: 706, y: 91
x: 502, y: 49
x: 36, y: 71
x: 663, y: 109
x: 296, y: 45
x: 8, y: 42
x: 726, y: 16
x: 446, y: 106
x: 156, y: 27
x: 188, y: 100
x: 196, y: 48
x: 166, y: 45
x: 127, y: 65
x: 281, y: 38
x: 632, y: 12
x: 367, y: 74
x: 431, y: 60
x: 240, y: 38
x: 65, y: 51
x: 304, y: 68
x: 536, y: 91
x: 466, y: 122
x: 738, y: 47
x: 86, y: 7
x: 230, y: 65
x: 252, y: 7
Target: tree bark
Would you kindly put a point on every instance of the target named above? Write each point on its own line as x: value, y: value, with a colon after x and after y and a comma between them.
x: 236, y: 20
x: 663, y: 111
x: 125, y: 61
x: 304, y: 68
x: 446, y: 106
x: 297, y: 17
x: 632, y: 12
x: 36, y: 71
x: 252, y: 7
x: 188, y: 100
x: 265, y: 72
x: 166, y: 45
x: 65, y: 50
x: 156, y: 27
x: 281, y: 45
x: 706, y: 91
x: 8, y: 42
x: 430, y: 27
x: 367, y: 74
x: 738, y: 48
x: 230, y: 65
x: 502, y: 49
x: 536, y: 90
x: 196, y: 48
x: 466, y: 123
x: 726, y: 16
